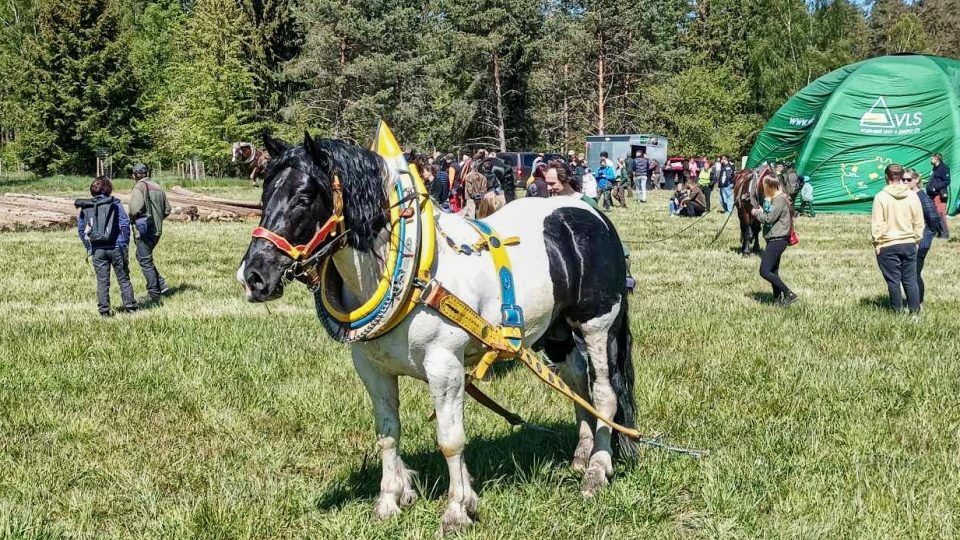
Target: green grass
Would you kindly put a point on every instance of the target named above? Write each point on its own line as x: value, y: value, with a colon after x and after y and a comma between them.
x: 210, y: 417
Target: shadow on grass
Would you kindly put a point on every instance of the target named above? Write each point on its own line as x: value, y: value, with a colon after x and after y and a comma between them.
x: 880, y: 301
x: 151, y: 303
x: 754, y: 253
x: 511, y: 459
x: 763, y: 298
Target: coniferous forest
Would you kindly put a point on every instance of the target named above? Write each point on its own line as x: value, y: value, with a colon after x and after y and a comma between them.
x: 162, y: 81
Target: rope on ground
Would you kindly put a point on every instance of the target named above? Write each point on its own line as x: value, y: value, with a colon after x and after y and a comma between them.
x: 722, y: 227
x: 671, y: 237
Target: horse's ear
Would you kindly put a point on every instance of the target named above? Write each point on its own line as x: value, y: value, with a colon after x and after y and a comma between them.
x: 321, y: 156
x: 275, y: 147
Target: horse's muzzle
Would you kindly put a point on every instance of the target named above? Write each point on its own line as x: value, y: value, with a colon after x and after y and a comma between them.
x: 259, y: 287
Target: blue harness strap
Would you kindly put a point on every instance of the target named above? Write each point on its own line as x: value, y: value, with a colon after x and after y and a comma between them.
x: 511, y: 314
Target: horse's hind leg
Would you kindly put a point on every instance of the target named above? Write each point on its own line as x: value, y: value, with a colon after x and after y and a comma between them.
x: 572, y: 367
x: 597, y: 334
x: 396, y: 489
x: 445, y: 376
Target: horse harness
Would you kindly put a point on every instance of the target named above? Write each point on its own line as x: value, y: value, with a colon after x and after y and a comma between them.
x: 393, y: 301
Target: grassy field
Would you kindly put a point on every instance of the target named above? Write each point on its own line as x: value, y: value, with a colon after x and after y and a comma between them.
x: 209, y: 417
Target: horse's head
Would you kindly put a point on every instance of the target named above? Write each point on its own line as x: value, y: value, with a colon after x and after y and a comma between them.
x: 305, y: 190
x: 241, y: 151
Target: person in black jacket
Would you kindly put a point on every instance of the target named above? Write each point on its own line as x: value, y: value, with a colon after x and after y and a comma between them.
x: 939, y: 190
x: 932, y: 224
x: 104, y: 229
x: 499, y: 175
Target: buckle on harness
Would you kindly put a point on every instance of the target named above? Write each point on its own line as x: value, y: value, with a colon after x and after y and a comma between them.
x: 512, y: 316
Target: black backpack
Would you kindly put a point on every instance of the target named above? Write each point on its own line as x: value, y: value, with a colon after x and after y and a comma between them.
x: 101, y: 218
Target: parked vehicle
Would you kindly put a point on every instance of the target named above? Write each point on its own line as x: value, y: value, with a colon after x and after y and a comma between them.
x: 620, y: 146
x: 522, y: 163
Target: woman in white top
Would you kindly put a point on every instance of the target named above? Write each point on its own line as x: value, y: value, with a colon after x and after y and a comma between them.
x: 590, y: 185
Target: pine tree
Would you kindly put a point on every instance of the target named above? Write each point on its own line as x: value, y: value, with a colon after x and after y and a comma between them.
x: 483, y: 50
x: 209, y: 101
x: 360, y: 62
x: 152, y: 51
x: 274, y: 40
x: 780, y: 49
x: 941, y: 21
x: 79, y: 92
x: 16, y: 23
x: 841, y: 35
x: 884, y: 14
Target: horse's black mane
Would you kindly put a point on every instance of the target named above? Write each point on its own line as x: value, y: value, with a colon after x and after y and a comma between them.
x: 361, y: 174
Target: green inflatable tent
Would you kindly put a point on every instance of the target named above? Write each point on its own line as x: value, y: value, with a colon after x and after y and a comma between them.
x: 844, y: 128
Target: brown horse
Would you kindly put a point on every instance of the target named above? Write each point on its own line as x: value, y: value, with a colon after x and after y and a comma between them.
x: 747, y: 195
x: 256, y: 160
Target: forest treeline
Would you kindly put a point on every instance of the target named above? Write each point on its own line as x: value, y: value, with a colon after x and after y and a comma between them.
x: 166, y: 80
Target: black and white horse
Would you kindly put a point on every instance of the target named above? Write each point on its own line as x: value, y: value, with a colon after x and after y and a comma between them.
x: 569, y: 275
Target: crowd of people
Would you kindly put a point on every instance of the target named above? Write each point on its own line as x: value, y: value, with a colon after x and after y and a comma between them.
x: 480, y: 184
x: 905, y: 220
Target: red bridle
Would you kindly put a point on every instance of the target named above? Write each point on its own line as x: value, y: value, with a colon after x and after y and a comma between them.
x: 304, y: 251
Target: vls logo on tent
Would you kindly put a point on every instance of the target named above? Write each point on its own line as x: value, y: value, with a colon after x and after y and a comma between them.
x: 880, y: 121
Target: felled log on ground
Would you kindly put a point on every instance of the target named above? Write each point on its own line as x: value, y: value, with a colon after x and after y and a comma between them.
x: 13, y: 217
x: 27, y: 211
x: 242, y: 204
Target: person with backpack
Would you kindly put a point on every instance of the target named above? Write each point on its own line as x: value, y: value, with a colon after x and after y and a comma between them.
x: 537, y: 185
x: 777, y: 219
x: 104, y: 229
x: 148, y: 208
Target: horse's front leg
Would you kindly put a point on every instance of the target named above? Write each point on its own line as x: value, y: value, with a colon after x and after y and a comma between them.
x: 396, y: 489
x: 445, y: 374
x: 744, y: 238
x: 756, y: 229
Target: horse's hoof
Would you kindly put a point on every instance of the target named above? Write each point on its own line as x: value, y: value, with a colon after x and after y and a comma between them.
x: 385, y: 508
x: 581, y: 458
x: 456, y: 518
x: 594, y: 480
x: 409, y: 498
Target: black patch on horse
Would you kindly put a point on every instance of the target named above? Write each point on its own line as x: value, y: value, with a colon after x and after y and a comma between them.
x: 586, y: 263
x: 589, y: 277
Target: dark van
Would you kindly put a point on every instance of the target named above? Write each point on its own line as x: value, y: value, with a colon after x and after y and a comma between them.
x: 522, y: 163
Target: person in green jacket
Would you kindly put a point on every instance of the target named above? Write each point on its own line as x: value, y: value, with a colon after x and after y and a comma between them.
x: 148, y: 208
x: 777, y: 221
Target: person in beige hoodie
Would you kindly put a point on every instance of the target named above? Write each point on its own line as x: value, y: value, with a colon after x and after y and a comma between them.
x: 897, y: 229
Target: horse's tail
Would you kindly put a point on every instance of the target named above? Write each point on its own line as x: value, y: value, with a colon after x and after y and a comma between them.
x: 620, y: 361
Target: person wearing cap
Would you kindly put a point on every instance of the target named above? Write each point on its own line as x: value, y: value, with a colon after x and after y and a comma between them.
x: 148, y: 208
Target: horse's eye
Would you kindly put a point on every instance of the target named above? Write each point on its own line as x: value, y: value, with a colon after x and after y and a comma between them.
x: 304, y: 200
